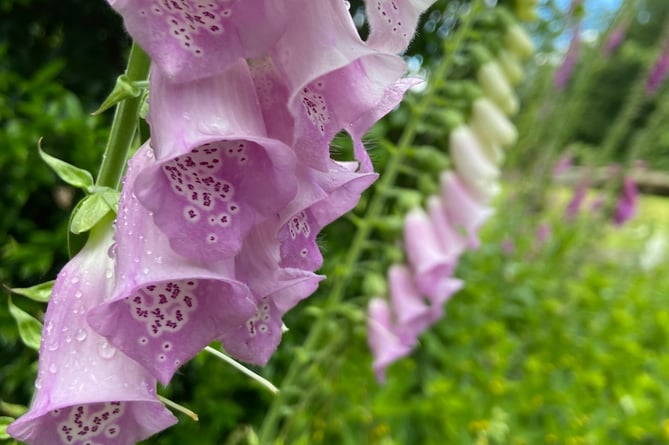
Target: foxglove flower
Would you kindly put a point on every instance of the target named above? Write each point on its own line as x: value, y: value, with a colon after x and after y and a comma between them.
x: 412, y: 313
x: 216, y: 164
x: 428, y: 261
x: 576, y: 201
x: 86, y: 391
x: 450, y: 240
x: 476, y: 170
x: 393, y: 22
x: 517, y: 40
x: 166, y: 308
x: 496, y: 86
x: 319, y: 57
x: 491, y: 124
x: 383, y: 341
x: 510, y: 66
x: 627, y: 202
x: 276, y: 289
x: 322, y: 197
x: 659, y: 71
x: 462, y: 209
x: 563, y: 74
x: 193, y: 39
x: 615, y: 38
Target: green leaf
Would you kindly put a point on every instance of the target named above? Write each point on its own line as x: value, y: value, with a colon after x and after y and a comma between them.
x: 92, y: 209
x: 12, y: 409
x: 124, y: 89
x: 4, y: 423
x: 40, y: 292
x: 75, y: 176
x: 30, y: 329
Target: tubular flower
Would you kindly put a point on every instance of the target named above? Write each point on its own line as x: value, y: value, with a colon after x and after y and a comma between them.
x: 477, y: 171
x: 322, y: 197
x: 86, y: 391
x: 494, y: 127
x: 428, y: 261
x: 563, y: 74
x: 462, y: 209
x: 318, y: 58
x: 215, y: 166
x: 169, y: 307
x: 627, y: 202
x: 193, y: 39
x: 384, y: 342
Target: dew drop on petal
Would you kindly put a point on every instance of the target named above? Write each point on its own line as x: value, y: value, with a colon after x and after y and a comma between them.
x: 78, y: 294
x: 105, y: 350
x: 81, y: 335
x: 53, y: 368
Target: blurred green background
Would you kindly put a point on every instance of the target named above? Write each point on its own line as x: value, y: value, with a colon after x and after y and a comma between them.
x: 557, y: 339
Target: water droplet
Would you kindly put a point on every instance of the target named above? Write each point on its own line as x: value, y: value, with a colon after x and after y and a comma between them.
x: 78, y: 294
x: 74, y: 280
x: 145, y: 271
x: 68, y: 338
x: 111, y: 252
x: 38, y: 383
x: 158, y: 259
x: 52, y: 346
x: 53, y: 368
x: 108, y: 273
x: 105, y: 350
x: 81, y: 335
x: 49, y: 328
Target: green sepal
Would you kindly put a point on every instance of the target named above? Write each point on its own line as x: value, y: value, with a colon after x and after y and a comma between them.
x: 30, y: 329
x: 90, y: 210
x: 75, y: 176
x: 124, y: 89
x: 4, y: 423
x: 39, y: 292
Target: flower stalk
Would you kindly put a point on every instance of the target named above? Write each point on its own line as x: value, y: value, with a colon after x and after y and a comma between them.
x: 124, y: 124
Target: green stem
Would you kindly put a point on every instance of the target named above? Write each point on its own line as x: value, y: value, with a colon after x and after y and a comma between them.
x: 124, y: 124
x: 341, y: 277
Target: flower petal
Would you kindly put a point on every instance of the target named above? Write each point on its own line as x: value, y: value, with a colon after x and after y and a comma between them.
x: 191, y: 39
x: 393, y: 22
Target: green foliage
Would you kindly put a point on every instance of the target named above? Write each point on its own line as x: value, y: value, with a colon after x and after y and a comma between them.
x: 30, y: 329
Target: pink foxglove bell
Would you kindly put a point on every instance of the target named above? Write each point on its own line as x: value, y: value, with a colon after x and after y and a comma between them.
x: 86, y: 390
x: 321, y: 56
x: 218, y: 174
x: 426, y: 257
x: 384, y: 342
x: 166, y: 308
x: 626, y: 206
x: 412, y: 313
x: 462, y: 208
